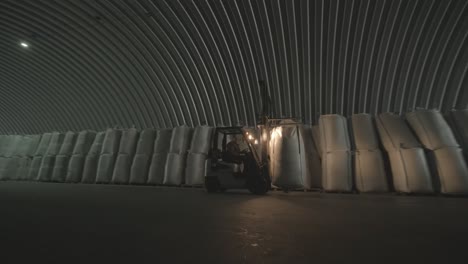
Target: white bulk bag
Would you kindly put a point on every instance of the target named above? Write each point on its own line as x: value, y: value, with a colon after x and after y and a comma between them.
x: 22, y: 168
x: 5, y: 140
x: 163, y: 141
x: 128, y: 141
x: 16, y: 141
x: 41, y: 149
x: 68, y: 143
x: 91, y: 159
x: 121, y: 173
x: 59, y: 172
x: 10, y: 143
x: 96, y: 147
x: 195, y: 171
x: 333, y: 133
x: 22, y: 146
x: 201, y: 140
x: 10, y: 172
x: 175, y: 168
x: 8, y: 162
x: 310, y: 159
x: 84, y: 141
x: 180, y: 140
x: 460, y: 124
x: 316, y: 137
x: 395, y: 133
x: 90, y: 169
x: 48, y: 161
x: 55, y: 144
x: 9, y: 147
x: 139, y: 169
x: 157, y: 168
x: 28, y: 145
x: 105, y: 168
x: 75, y: 168
x: 290, y: 170
x: 5, y: 146
x: 47, y: 166
x: 146, y: 141
x: 2, y: 142
x: 271, y: 152
x: 111, y: 141
x: 370, y: 171
x: 410, y: 171
x: 123, y: 162
x: 452, y: 170
x: 364, y: 133
x: 33, y: 145
x: 337, y: 171
x: 34, y: 167
x: 431, y: 129
x: 7, y: 168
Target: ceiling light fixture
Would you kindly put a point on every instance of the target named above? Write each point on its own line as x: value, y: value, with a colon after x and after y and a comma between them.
x: 24, y: 44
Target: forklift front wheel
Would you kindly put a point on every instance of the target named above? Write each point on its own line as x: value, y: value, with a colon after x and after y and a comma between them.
x: 212, y: 184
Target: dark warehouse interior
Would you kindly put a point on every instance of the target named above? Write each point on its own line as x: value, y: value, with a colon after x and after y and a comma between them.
x: 233, y: 131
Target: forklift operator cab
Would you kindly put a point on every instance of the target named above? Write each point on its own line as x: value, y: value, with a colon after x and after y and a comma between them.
x: 234, y: 163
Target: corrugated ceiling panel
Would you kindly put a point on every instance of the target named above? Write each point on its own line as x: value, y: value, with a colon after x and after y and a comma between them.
x: 96, y: 64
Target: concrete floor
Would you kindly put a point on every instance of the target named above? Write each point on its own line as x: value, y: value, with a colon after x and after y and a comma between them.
x: 67, y: 223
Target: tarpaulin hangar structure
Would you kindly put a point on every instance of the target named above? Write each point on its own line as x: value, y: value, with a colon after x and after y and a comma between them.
x: 91, y: 65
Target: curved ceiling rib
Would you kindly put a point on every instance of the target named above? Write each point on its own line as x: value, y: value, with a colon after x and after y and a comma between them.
x: 162, y: 63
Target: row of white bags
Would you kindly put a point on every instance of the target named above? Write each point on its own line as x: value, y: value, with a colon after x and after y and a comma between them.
x: 112, y: 156
x: 424, y: 161
x: 434, y: 163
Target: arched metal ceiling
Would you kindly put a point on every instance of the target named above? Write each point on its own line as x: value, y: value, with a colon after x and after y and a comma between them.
x: 161, y: 63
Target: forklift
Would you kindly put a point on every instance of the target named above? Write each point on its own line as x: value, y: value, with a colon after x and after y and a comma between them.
x: 245, y: 171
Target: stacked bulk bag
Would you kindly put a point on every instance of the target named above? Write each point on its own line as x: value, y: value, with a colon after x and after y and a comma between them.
x: 8, y: 150
x: 106, y: 162
x: 40, y: 152
x: 436, y: 136
x: 336, y: 154
x: 312, y: 157
x: 316, y: 138
x: 290, y: 168
x: 459, y: 123
x: 74, y: 171
x: 272, y: 136
x: 142, y: 159
x: 159, y: 158
x: 59, y: 172
x: 13, y: 163
x: 176, y: 159
x: 369, y: 165
x: 410, y: 171
x: 48, y: 161
x: 123, y: 163
x: 3, y: 162
x: 197, y: 156
x: 26, y: 150
x: 91, y: 160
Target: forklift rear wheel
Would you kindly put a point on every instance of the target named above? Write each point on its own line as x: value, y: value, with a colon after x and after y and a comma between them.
x: 258, y: 186
x: 212, y: 184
